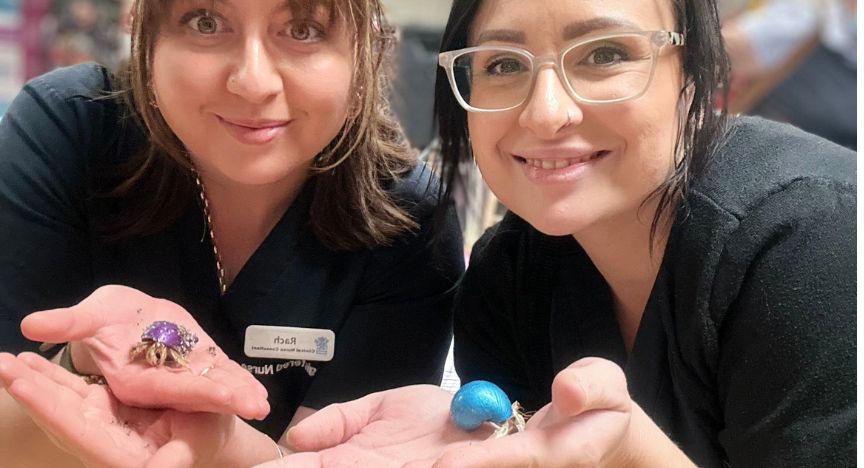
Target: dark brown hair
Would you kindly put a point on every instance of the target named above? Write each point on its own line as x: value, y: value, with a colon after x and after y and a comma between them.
x: 350, y: 207
x: 702, y: 124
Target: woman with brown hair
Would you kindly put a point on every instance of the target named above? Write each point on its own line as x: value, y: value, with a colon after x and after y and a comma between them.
x: 246, y: 169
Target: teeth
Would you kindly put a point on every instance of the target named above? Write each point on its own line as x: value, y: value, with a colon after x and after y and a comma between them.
x: 558, y: 163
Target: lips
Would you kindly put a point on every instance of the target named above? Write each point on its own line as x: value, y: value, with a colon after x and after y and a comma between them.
x: 254, y: 132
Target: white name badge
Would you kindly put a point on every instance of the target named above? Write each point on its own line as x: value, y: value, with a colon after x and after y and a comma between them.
x: 310, y: 344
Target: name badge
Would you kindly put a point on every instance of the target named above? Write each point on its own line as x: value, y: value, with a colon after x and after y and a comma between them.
x: 310, y: 344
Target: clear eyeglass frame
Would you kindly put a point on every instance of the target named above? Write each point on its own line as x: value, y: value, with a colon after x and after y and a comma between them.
x: 659, y: 39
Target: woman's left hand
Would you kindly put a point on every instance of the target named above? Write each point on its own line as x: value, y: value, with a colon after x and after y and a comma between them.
x: 91, y: 424
x: 586, y: 424
x: 591, y: 421
x: 384, y: 430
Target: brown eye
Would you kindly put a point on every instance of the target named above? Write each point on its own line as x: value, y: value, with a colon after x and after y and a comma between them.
x: 206, y: 25
x: 204, y: 22
x: 305, y: 32
x: 605, y: 57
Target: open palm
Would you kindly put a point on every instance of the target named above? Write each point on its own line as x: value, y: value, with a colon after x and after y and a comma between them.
x: 94, y: 426
x: 109, y: 323
x: 383, y: 429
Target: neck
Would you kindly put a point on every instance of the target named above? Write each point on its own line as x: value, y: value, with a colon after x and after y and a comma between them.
x: 621, y: 252
x: 243, y: 215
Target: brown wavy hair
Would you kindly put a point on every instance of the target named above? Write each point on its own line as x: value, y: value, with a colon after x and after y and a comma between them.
x: 351, y: 207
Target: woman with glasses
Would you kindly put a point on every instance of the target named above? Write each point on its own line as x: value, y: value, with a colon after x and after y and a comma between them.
x: 246, y: 171
x: 670, y: 286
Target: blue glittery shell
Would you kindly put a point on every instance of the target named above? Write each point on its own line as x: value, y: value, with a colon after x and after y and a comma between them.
x: 477, y: 402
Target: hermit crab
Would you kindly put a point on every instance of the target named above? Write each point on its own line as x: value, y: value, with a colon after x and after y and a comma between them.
x: 480, y: 402
x: 164, y: 343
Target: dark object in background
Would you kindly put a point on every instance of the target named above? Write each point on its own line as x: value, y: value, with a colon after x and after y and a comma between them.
x: 416, y: 62
x: 818, y: 97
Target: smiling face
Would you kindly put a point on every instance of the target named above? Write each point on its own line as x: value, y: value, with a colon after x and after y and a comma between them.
x: 254, y: 90
x: 564, y: 166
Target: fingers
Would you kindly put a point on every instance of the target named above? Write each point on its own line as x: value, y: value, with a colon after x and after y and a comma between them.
x: 54, y: 372
x: 297, y: 460
x: 427, y: 463
x: 249, y: 396
x: 60, y: 413
x: 161, y: 387
x: 241, y: 376
x: 512, y: 451
x: 10, y: 369
x: 218, y: 391
x: 245, y: 397
x: 589, y: 384
x: 175, y: 454
x: 333, y: 425
x: 562, y: 446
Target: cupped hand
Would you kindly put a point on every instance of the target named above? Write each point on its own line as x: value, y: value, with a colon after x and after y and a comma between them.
x: 108, y: 323
x: 92, y: 425
x: 588, y: 423
x: 383, y: 429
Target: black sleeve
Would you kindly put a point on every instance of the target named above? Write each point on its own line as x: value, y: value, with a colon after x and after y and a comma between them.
x: 488, y: 328
x: 45, y: 137
x: 399, y: 330
x: 786, y: 375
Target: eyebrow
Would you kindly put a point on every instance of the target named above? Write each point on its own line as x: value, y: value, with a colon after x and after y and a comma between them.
x: 502, y: 35
x: 571, y: 31
x: 581, y: 28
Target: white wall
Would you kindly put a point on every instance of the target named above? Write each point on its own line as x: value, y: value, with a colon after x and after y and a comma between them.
x: 417, y: 12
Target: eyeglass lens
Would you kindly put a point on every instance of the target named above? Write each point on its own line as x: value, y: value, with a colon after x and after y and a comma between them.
x: 602, y: 70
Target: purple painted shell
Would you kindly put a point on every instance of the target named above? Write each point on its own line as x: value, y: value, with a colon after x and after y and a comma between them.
x: 171, y: 335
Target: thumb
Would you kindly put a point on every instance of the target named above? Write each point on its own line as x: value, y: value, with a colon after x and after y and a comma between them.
x: 333, y: 425
x: 63, y: 325
x: 589, y: 384
x: 175, y: 454
x: 105, y: 306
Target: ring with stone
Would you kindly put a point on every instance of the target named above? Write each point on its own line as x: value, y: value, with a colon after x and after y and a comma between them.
x: 164, y: 343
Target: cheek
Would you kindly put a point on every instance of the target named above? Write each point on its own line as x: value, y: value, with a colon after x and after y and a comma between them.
x: 183, y: 83
x: 486, y: 133
x: 655, y: 147
x: 655, y: 130
x: 328, y: 88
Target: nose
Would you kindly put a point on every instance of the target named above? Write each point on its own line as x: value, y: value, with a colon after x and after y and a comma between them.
x: 255, y: 78
x: 550, y: 109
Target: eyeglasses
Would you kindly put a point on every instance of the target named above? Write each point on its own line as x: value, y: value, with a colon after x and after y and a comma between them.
x: 600, y: 70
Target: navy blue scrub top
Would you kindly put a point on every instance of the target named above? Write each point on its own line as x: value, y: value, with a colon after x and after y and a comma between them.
x: 390, y: 307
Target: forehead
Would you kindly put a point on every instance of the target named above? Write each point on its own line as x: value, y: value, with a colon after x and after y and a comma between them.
x: 298, y: 8
x: 522, y: 21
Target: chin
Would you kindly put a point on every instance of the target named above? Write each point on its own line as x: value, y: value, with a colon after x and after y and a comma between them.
x: 553, y: 225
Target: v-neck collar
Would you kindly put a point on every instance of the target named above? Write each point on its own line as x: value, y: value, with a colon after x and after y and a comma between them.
x: 269, y: 259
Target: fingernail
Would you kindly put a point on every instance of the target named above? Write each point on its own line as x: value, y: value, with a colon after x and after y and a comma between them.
x: 47, y: 346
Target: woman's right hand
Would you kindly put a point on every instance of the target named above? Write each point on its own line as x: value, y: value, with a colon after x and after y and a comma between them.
x: 106, y: 325
x: 89, y: 423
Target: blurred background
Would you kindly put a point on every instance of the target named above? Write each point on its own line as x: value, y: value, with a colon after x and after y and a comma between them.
x: 793, y: 61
